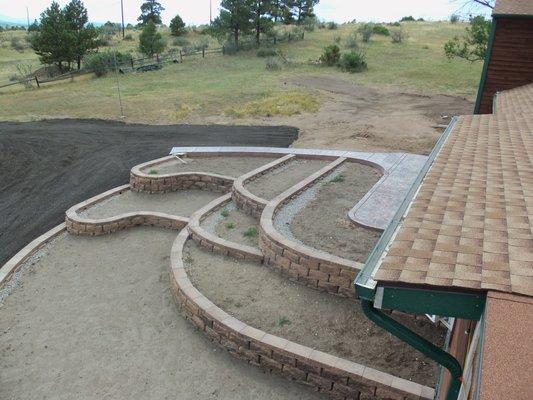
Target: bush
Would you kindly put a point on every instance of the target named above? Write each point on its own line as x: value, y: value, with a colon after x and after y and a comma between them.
x: 272, y: 64
x: 332, y: 25
x: 337, y: 39
x: 266, y: 52
x: 128, y: 37
x: 101, y: 63
x: 408, y: 19
x: 395, y: 24
x: 180, y: 41
x: 230, y: 48
x: 354, y: 61
x: 379, y: 29
x: 351, y: 41
x: 309, y: 23
x: 366, y: 31
x: 331, y: 55
x: 398, y: 35
x: 454, y: 18
x: 18, y: 43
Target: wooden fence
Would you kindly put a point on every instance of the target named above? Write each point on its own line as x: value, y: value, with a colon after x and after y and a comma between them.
x: 155, y: 62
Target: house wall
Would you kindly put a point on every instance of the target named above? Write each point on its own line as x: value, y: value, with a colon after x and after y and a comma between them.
x: 511, y: 61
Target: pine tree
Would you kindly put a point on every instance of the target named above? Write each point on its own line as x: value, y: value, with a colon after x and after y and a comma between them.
x: 150, y: 40
x: 234, y: 19
x: 177, y: 26
x: 260, y: 16
x: 84, y: 36
x: 150, y: 11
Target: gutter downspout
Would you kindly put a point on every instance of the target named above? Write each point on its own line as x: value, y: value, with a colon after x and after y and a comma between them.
x: 418, y: 342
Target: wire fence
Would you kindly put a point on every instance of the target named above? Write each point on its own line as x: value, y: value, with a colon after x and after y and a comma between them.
x: 156, y: 62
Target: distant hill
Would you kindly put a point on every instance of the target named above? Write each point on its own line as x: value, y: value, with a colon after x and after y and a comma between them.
x: 8, y: 21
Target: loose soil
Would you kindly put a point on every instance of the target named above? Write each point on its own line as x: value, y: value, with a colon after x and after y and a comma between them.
x: 241, y: 221
x: 261, y: 298
x: 93, y: 318
x: 48, y: 166
x: 323, y: 222
x: 357, y: 117
x: 228, y: 166
x: 181, y: 203
x: 280, y: 179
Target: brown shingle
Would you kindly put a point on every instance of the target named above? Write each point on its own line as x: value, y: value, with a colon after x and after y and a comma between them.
x: 470, y: 224
x: 517, y: 7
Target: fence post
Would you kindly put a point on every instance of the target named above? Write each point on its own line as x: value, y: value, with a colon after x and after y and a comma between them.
x: 181, y: 57
x: 131, y: 60
x: 303, y: 33
x: 203, y: 52
x: 289, y: 37
x: 223, y: 50
x: 37, y: 81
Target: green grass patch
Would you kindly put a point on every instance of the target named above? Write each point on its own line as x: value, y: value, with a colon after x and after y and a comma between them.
x: 284, y: 321
x: 224, y: 212
x: 286, y: 104
x: 250, y: 233
x: 230, y: 225
x: 153, y: 171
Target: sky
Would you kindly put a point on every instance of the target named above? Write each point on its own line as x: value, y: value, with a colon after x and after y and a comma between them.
x: 197, y: 11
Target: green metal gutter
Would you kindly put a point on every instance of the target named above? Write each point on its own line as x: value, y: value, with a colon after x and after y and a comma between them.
x: 418, y: 342
x: 488, y: 55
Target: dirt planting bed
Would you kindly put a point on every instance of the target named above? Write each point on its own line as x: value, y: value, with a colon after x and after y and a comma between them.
x: 234, y: 225
x: 261, y: 298
x: 93, y: 318
x: 280, y: 179
x: 228, y: 166
x: 182, y: 203
x: 319, y: 216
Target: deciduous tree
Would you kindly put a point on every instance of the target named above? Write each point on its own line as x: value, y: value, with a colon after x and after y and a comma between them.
x: 473, y: 45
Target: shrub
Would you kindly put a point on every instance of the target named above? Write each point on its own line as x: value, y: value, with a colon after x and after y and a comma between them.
x: 101, y: 63
x: 366, y: 31
x: 331, y: 55
x: 230, y: 48
x: 454, y: 18
x: 18, y: 43
x: 395, y: 24
x: 354, y: 61
x: 337, y: 39
x: 309, y: 23
x: 398, y: 35
x: 332, y: 25
x: 351, y: 41
x: 266, y: 52
x: 180, y: 41
x: 379, y: 29
x: 407, y: 19
x: 128, y: 37
x: 272, y: 64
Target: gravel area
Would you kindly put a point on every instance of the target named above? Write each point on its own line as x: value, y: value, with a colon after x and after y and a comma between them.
x: 181, y: 202
x: 280, y: 179
x: 265, y: 300
x: 229, y: 166
x: 93, y: 318
x: 318, y: 217
x: 232, y: 224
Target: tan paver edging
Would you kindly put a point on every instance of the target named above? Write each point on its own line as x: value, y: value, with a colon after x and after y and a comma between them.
x: 143, y: 182
x: 215, y: 243
x: 304, y: 264
x: 333, y: 376
x: 79, y: 225
x: 246, y: 200
x: 15, y: 262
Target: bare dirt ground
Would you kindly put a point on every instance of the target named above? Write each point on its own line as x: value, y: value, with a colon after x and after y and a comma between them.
x: 48, y: 166
x: 94, y: 318
x: 280, y: 179
x: 353, y: 117
x: 181, y: 203
x: 234, y: 226
x: 323, y: 222
x: 265, y: 300
x: 228, y: 166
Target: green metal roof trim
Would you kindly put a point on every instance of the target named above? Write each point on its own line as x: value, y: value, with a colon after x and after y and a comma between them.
x: 488, y: 55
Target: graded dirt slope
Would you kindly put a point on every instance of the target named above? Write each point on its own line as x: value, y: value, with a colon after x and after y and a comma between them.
x: 264, y: 299
x: 48, y: 166
x: 94, y: 318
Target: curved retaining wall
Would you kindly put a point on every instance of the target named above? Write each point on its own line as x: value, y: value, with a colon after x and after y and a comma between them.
x: 247, y: 201
x: 215, y: 243
x: 336, y: 377
x: 79, y: 225
x: 304, y: 264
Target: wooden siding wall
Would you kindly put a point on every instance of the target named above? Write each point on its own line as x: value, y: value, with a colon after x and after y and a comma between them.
x: 511, y: 61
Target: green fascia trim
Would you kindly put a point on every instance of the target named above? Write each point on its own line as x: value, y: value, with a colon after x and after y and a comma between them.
x: 364, y: 281
x: 445, y: 303
x: 486, y: 63
x: 517, y: 16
